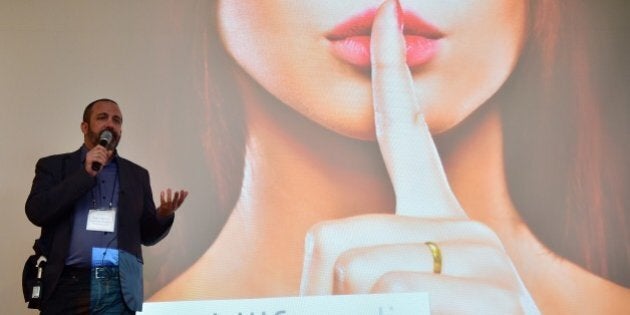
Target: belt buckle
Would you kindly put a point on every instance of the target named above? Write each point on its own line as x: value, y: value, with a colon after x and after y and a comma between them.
x: 100, y: 273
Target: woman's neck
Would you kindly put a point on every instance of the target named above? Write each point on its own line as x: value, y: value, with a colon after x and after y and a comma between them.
x: 298, y: 173
x: 472, y: 156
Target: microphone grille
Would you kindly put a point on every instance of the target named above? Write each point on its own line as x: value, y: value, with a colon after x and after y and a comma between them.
x: 106, y: 137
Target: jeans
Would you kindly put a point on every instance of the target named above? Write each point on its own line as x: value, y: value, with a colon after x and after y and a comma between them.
x: 84, y: 291
x: 105, y: 294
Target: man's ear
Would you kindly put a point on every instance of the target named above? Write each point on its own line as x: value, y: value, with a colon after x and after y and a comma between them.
x: 84, y: 127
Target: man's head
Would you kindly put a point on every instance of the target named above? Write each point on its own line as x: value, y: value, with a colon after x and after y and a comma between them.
x: 102, y: 114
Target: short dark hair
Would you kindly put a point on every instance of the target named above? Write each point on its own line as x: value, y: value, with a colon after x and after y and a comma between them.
x: 88, y: 109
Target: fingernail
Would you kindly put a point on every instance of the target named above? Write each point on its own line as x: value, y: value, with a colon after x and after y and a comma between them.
x: 399, y: 15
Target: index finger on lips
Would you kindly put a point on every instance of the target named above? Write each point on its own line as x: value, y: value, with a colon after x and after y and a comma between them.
x: 408, y: 150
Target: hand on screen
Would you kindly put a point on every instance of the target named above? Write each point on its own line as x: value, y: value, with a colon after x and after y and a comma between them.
x: 387, y: 253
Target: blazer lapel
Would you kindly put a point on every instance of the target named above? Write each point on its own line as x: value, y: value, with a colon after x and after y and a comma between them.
x: 72, y: 162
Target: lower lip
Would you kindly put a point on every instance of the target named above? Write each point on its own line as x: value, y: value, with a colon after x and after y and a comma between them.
x: 355, y: 50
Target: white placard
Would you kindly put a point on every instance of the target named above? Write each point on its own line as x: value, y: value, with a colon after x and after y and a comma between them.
x: 359, y: 304
x: 101, y: 220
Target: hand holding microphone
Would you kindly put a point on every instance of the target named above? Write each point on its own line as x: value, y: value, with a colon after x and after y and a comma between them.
x: 99, y: 154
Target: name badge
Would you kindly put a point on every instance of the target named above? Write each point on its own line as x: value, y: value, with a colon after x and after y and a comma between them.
x: 101, y: 220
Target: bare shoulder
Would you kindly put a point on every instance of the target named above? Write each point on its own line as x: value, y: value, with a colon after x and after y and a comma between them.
x: 560, y: 286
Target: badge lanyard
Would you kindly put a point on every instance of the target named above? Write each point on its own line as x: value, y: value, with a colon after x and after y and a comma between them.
x: 100, y: 193
x: 99, y: 219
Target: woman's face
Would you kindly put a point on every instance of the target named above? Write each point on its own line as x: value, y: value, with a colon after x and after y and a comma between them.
x: 314, y: 55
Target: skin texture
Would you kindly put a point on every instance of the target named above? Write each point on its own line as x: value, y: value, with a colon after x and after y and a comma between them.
x: 294, y: 47
x: 389, y: 195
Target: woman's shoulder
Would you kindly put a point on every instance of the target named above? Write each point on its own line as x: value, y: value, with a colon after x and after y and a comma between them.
x: 560, y: 286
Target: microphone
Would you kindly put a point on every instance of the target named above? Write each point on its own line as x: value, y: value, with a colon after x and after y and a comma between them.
x: 104, y: 140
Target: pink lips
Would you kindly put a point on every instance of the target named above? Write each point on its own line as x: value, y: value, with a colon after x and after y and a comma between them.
x: 350, y: 40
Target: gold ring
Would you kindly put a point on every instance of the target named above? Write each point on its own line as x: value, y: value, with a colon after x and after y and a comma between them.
x: 437, y: 257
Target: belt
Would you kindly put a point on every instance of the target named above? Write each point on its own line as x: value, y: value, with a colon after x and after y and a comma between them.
x: 103, y: 272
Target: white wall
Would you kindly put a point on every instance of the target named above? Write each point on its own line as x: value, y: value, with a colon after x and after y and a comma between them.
x: 55, y: 58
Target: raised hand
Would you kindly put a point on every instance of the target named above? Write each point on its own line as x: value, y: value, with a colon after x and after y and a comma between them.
x: 406, y: 144
x: 170, y: 202
x: 387, y: 253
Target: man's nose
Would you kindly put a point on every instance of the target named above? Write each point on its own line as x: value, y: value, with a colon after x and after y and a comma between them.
x: 109, y: 124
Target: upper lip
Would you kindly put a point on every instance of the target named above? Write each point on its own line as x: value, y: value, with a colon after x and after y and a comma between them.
x: 361, y: 25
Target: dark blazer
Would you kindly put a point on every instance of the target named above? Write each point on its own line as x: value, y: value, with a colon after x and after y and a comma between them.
x: 60, y: 180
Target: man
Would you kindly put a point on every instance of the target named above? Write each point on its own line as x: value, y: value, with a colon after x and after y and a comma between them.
x: 95, y: 210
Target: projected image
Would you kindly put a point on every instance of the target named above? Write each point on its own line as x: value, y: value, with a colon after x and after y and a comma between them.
x: 449, y: 147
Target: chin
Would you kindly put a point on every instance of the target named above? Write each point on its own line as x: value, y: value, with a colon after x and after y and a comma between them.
x: 364, y: 129
x: 437, y: 127
x: 359, y: 128
x: 365, y: 134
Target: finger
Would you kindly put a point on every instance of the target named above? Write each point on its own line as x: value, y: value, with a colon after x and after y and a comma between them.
x: 182, y: 197
x: 358, y: 270
x: 100, y: 158
x: 176, y: 199
x: 98, y: 152
x: 452, y: 295
x: 162, y: 200
x: 323, y: 246
x: 406, y: 144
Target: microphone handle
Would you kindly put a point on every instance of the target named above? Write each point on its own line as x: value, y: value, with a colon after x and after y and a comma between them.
x: 96, y: 166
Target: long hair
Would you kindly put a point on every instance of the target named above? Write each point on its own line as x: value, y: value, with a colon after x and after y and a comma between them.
x: 226, y: 130
x: 554, y: 138
x: 560, y: 167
